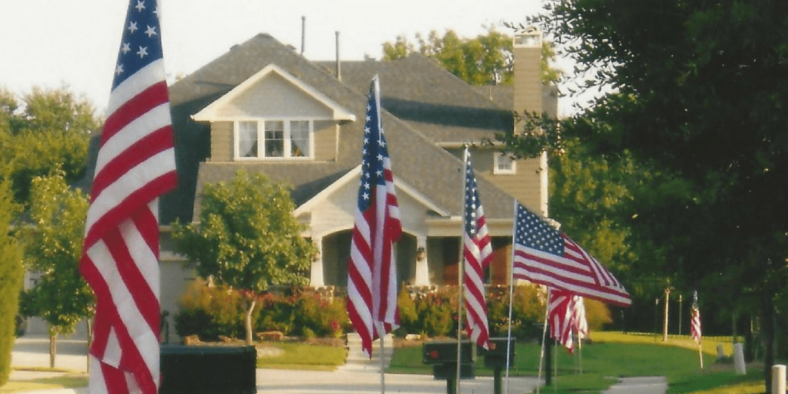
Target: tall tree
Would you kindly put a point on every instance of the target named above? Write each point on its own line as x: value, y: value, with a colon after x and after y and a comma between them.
x: 699, y: 91
x: 484, y: 60
x: 48, y: 129
x: 53, y: 248
x: 247, y: 238
x: 11, y: 275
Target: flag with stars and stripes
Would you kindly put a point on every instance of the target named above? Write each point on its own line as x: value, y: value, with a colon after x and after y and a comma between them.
x: 695, y: 328
x: 372, y: 275
x: 545, y: 256
x: 477, y: 255
x: 566, y: 316
x: 135, y: 165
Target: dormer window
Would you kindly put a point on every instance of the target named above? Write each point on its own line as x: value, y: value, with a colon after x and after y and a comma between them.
x: 273, y: 139
x: 504, y: 164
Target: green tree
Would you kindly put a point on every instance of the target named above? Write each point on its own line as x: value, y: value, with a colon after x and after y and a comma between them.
x: 53, y: 248
x: 247, y: 238
x: 699, y: 94
x: 47, y: 130
x: 11, y: 275
x: 484, y: 60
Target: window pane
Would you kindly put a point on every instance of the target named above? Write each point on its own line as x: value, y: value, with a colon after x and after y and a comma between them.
x: 299, y: 138
x: 274, y: 139
x: 247, y: 139
x: 504, y: 162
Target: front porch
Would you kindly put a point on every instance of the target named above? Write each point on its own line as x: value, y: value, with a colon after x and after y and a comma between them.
x: 422, y: 262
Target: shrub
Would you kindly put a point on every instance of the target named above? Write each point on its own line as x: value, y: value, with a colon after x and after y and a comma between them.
x: 209, y: 312
x: 212, y: 311
x: 435, y: 314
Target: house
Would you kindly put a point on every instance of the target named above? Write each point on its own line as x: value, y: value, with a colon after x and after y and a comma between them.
x: 263, y: 107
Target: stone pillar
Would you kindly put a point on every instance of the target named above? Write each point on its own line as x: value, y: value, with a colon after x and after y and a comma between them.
x: 316, y: 277
x: 422, y: 277
x: 778, y: 379
x: 738, y: 359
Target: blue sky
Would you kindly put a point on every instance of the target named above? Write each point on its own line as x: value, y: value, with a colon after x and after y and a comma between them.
x: 50, y: 43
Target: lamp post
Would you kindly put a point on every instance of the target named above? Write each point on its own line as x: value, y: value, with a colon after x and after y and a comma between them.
x: 681, y: 312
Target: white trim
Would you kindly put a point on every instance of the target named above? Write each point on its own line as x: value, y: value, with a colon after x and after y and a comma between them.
x: 353, y: 175
x: 209, y: 113
x: 497, y: 170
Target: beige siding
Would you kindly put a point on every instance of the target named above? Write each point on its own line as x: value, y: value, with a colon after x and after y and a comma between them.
x: 274, y: 96
x: 527, y: 83
x: 221, y: 141
x: 525, y: 184
x: 325, y: 140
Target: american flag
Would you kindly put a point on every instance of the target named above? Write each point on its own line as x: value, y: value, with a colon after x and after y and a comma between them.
x: 477, y: 255
x: 372, y: 275
x: 579, y: 322
x: 545, y: 256
x: 559, y: 317
x: 135, y: 165
x: 695, y: 328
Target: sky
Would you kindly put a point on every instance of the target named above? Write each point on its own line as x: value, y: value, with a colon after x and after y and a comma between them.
x: 74, y: 43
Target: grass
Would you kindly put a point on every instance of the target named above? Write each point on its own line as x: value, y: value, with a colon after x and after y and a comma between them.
x: 304, y: 357
x: 60, y: 382
x: 614, y: 355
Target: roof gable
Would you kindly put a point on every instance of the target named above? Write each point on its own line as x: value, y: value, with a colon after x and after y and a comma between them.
x: 274, y: 92
x: 353, y: 176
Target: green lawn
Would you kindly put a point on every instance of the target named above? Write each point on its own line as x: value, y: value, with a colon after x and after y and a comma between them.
x: 302, y: 356
x: 613, y: 355
x: 73, y: 381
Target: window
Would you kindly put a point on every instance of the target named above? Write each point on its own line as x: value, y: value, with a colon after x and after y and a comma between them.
x: 274, y: 138
x: 258, y: 139
x: 247, y: 139
x: 504, y: 164
x: 299, y: 138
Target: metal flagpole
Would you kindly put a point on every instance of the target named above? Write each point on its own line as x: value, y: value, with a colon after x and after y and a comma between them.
x: 580, y: 351
x: 511, y: 297
x: 555, y: 362
x: 544, y: 335
x: 382, y: 335
x: 461, y: 264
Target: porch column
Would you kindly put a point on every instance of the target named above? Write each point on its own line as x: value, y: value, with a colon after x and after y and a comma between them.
x: 316, y: 277
x: 422, y: 268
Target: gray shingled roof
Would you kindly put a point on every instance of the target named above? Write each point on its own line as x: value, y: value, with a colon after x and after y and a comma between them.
x: 415, y: 158
x: 430, y: 99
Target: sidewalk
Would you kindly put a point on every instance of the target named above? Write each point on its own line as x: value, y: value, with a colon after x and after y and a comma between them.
x: 33, y: 351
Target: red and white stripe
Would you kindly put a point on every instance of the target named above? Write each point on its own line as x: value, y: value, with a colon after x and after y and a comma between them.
x: 576, y: 271
x: 136, y: 165
x: 695, y: 327
x: 477, y: 255
x: 372, y: 278
x: 579, y: 322
x: 566, y: 316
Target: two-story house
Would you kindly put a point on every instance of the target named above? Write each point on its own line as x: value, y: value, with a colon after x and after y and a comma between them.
x: 263, y: 107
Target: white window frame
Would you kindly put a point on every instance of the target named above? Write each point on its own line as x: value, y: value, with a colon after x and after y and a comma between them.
x: 261, y: 139
x: 497, y: 170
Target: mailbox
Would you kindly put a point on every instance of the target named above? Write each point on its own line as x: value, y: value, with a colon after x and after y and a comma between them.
x: 442, y: 355
x: 443, y: 352
x: 208, y: 370
x: 495, y: 357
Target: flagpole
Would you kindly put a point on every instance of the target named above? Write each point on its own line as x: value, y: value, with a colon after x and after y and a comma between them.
x: 511, y: 298
x: 580, y: 351
x: 544, y: 335
x: 700, y: 354
x: 382, y: 335
x: 461, y: 264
